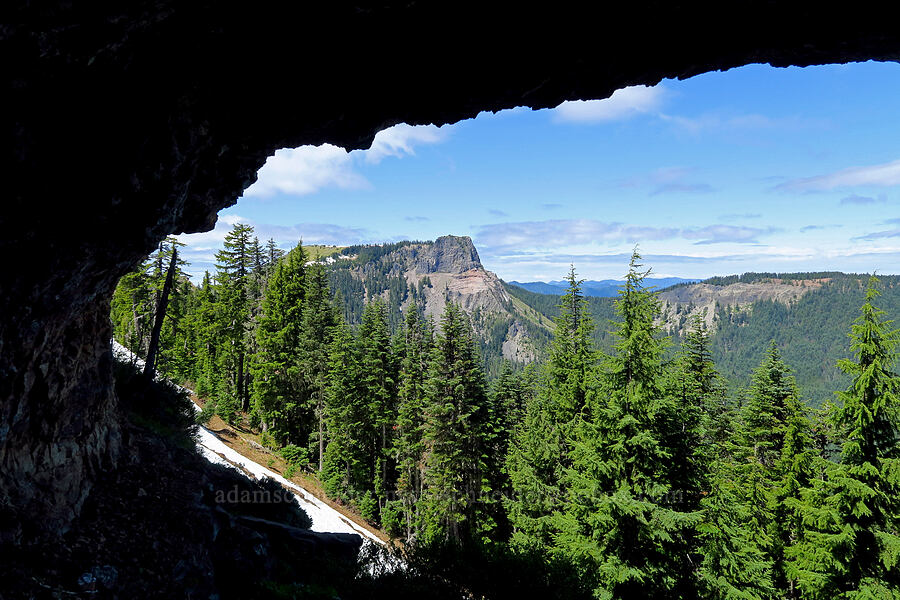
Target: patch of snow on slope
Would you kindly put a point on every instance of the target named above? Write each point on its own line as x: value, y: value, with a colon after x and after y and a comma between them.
x: 324, y: 518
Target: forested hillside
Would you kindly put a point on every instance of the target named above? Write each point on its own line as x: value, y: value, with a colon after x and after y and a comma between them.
x: 619, y: 465
x: 807, y: 314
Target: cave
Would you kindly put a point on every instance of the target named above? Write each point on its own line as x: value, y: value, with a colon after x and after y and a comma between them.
x: 129, y: 122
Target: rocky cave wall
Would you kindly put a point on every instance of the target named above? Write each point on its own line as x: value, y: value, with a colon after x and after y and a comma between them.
x: 126, y: 122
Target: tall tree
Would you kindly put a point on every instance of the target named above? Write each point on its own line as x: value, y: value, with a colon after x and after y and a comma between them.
x: 316, y: 328
x: 539, y: 454
x: 851, y: 548
x: 344, y: 474
x: 618, y: 526
x: 162, y: 303
x: 455, y: 415
x: 278, y: 388
x: 234, y: 265
x: 409, y: 448
x: 378, y: 383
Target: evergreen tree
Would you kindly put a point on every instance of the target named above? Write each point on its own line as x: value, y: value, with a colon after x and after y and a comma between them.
x: 203, y: 321
x: 455, y: 415
x: 378, y: 384
x: 132, y: 309
x: 778, y: 435
x: 734, y: 562
x: 278, y: 389
x: 409, y: 446
x: 273, y: 255
x: 505, y: 406
x: 618, y: 526
x: 765, y: 414
x: 344, y: 474
x: 233, y: 269
x: 540, y: 450
x: 851, y: 548
x: 316, y: 328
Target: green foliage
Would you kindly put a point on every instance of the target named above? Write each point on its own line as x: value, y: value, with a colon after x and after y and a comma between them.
x: 619, y: 467
x: 206, y: 413
x: 277, y: 376
x: 619, y: 525
x: 852, y: 547
x: 456, y: 415
x: 540, y: 451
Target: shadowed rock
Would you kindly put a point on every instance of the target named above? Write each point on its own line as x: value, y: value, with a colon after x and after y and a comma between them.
x: 126, y: 122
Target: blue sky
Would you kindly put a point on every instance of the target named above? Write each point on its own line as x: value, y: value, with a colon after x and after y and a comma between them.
x: 753, y: 169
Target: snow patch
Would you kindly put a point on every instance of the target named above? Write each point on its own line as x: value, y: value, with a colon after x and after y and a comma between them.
x: 324, y: 518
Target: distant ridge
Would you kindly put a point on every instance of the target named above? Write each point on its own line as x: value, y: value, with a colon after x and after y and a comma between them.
x: 601, y: 289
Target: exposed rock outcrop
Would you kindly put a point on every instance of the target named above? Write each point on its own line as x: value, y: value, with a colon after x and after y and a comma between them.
x: 681, y: 303
x: 129, y: 121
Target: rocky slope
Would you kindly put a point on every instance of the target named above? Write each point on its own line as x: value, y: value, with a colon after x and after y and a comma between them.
x: 428, y: 274
x: 681, y: 303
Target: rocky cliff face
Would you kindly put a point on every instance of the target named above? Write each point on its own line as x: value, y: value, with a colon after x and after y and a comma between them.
x: 447, y: 254
x: 681, y: 303
x: 129, y: 121
x: 453, y: 271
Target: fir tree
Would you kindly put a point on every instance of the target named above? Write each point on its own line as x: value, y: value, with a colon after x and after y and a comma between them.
x: 278, y: 389
x: 455, y: 415
x: 378, y: 384
x: 318, y: 322
x: 203, y: 322
x: 539, y: 453
x: 409, y: 446
x: 617, y: 525
x: 851, y: 548
x: 233, y: 268
x: 344, y: 474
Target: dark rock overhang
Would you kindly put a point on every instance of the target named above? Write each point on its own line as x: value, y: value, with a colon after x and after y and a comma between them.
x: 125, y: 122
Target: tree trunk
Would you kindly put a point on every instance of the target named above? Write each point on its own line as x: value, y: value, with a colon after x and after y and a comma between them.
x: 240, y: 381
x: 321, y: 432
x: 153, y: 349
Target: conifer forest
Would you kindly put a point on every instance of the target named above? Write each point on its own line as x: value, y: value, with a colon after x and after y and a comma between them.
x: 620, y: 470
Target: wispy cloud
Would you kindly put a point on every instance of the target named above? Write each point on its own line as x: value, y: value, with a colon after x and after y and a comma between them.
x: 402, y: 139
x: 623, y: 104
x: 879, y: 235
x: 506, y: 238
x: 669, y: 180
x: 855, y: 199
x: 551, y: 205
x: 807, y: 228
x: 417, y: 219
x: 721, y: 234
x: 882, y: 175
x: 739, y: 216
x: 497, y: 213
x: 682, y: 188
x: 554, y: 233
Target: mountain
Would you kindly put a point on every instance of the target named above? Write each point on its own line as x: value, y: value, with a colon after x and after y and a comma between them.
x: 602, y: 289
x: 426, y: 275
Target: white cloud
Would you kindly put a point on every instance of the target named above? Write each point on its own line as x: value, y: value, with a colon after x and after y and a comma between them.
x: 305, y: 170
x: 883, y: 175
x: 401, y: 140
x: 623, y: 104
